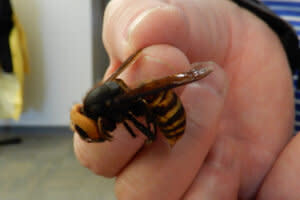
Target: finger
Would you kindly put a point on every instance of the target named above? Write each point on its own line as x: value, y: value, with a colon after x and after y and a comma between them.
x: 109, y: 158
x: 158, y: 172
x: 283, y: 180
x: 219, y: 177
x: 122, y: 18
x: 191, y: 26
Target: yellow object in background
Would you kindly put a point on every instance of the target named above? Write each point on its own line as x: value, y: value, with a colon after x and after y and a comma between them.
x: 10, y: 96
x: 12, y: 83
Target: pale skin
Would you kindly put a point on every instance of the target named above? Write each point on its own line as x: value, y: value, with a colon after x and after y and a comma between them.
x: 238, y: 141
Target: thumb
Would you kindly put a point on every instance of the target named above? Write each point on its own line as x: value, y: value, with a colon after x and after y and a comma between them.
x: 200, y: 29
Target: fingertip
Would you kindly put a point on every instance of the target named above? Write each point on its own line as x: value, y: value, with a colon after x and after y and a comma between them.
x: 159, y: 25
x: 107, y: 158
x: 131, y: 25
x: 81, y: 150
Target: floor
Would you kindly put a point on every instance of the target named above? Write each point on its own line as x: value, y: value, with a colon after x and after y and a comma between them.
x: 43, y: 167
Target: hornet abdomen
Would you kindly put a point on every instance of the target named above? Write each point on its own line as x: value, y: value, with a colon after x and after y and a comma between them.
x: 169, y: 114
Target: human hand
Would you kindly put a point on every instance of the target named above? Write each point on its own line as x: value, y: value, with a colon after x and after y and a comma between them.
x: 238, y: 118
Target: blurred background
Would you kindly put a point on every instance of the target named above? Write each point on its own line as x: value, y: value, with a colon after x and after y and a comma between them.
x: 66, y: 57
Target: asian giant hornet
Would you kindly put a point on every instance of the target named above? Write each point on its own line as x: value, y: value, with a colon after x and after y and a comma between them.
x: 112, y: 102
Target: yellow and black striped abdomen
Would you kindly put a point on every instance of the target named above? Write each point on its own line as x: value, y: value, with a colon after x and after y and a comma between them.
x: 169, y: 114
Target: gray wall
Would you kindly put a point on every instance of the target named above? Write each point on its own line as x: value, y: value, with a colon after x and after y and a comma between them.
x: 100, y: 59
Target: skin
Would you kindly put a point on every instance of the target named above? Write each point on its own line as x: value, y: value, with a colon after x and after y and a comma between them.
x: 237, y: 143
